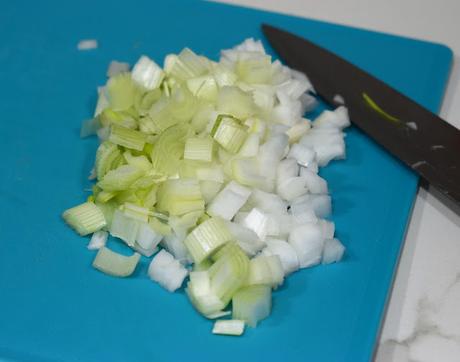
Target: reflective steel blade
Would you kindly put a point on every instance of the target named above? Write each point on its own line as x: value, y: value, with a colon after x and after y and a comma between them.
x: 418, y: 137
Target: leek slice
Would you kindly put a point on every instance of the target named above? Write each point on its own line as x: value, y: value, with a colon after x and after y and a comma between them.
x: 121, y: 91
x: 252, y: 304
x: 168, y: 150
x: 229, y: 272
x: 127, y: 137
x: 199, y: 149
x: 107, y: 155
x: 109, y: 262
x: 206, y: 238
x: 120, y: 178
x: 229, y: 133
x: 124, y: 227
x: 85, y: 218
x: 232, y: 327
x: 147, y: 73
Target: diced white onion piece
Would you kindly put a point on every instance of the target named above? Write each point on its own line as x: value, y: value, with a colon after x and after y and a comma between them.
x: 331, y: 152
x: 328, y: 228
x: 257, y: 221
x: 270, y: 154
x: 298, y: 130
x: 209, y: 190
x: 302, y: 154
x: 302, y: 212
x: 267, y: 202
x: 231, y: 327
x: 315, y: 184
x: 117, y: 68
x: 287, y: 168
x: 285, y: 252
x: 147, y: 73
x: 87, y: 44
x: 174, y: 243
x: 292, y: 188
x: 333, y: 119
x: 228, y: 201
x: 274, y: 227
x: 250, y: 147
x: 308, y: 102
x: 308, y: 241
x: 333, y: 251
x: 98, y: 240
x: 321, y: 204
x: 247, y: 239
x: 167, y: 271
x: 147, y: 238
x: 313, y: 167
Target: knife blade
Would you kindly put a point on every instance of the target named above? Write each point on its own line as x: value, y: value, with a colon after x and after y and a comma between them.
x: 419, y: 138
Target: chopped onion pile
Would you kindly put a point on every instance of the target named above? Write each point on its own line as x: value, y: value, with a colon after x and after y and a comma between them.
x: 213, y: 164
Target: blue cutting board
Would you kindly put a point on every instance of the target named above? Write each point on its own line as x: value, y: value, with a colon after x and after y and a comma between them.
x: 55, y: 307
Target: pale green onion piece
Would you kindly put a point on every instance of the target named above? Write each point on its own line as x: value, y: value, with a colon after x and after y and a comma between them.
x: 188, y: 65
x: 234, y: 101
x: 224, y: 76
x: 160, y: 227
x: 107, y: 155
x: 180, y: 196
x: 252, y: 304
x: 108, y: 208
x: 147, y: 73
x: 141, y: 162
x: 85, y: 219
x: 90, y: 127
x: 120, y: 178
x: 109, y: 262
x: 127, y: 137
x: 266, y: 270
x: 228, y: 201
x: 206, y: 238
x: 229, y: 133
x: 98, y: 240
x: 199, y: 291
x: 136, y: 212
x: 204, y: 87
x: 231, y: 327
x: 168, y: 149
x: 229, y: 271
x: 124, y: 227
x: 105, y: 196
x: 199, y: 149
x: 121, y: 92
x: 255, y: 70
x: 102, y: 101
x: 212, y: 173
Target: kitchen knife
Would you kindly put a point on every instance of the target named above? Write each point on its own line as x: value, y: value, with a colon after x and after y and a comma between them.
x: 419, y: 138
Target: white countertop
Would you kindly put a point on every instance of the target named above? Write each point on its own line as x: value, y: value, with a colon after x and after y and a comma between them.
x: 423, y: 318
